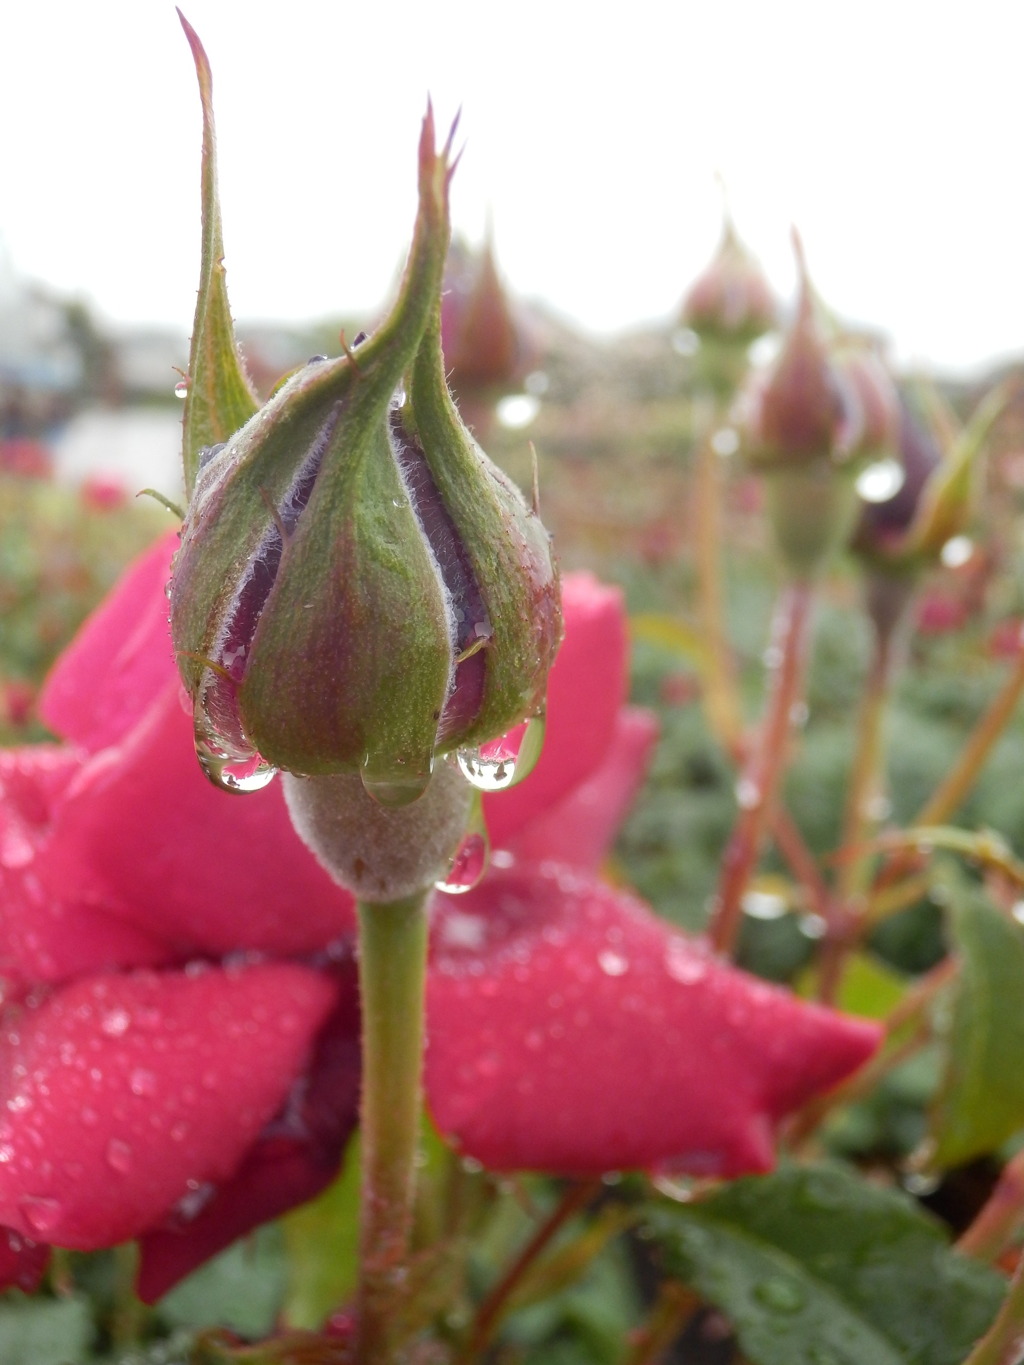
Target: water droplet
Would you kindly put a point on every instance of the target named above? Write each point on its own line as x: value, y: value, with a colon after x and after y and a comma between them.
x: 501, y: 763
x: 725, y: 441
x: 920, y: 1183
x: 683, y: 963
x: 399, y: 502
x: 784, y: 1296
x: 316, y: 359
x: 813, y: 926
x: 881, y: 481
x: 40, y: 1213
x: 115, y: 1023
x: 468, y: 865
x: 772, y: 657
x: 956, y: 551
x: 15, y: 849
x: 764, y: 905
x: 748, y: 794
x: 119, y: 1156
x: 396, y: 783
x: 225, y: 764
x: 142, y: 1082
x: 798, y: 714
x: 181, y: 388
x: 612, y: 963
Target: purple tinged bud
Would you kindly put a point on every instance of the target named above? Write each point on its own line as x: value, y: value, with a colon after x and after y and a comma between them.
x: 358, y: 588
x: 731, y: 301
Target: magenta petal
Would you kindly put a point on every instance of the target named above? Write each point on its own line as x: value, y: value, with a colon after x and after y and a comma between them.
x: 120, y: 659
x: 126, y: 1094
x: 53, y: 926
x: 586, y: 690
x: 22, y: 1261
x: 295, y: 1157
x: 572, y: 1031
x: 580, y: 829
x: 208, y: 870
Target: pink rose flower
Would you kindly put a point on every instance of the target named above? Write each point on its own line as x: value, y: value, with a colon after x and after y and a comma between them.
x: 179, y: 1039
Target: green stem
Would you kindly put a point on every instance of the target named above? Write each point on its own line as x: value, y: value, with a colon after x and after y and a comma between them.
x: 762, y: 774
x: 721, y: 696
x: 492, y: 1310
x: 392, y: 975
x: 1002, y: 1343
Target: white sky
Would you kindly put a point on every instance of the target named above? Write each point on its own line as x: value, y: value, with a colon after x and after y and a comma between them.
x: 891, y: 133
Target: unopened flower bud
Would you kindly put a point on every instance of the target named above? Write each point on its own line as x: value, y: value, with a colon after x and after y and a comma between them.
x: 358, y: 588
x: 811, y: 419
x: 728, y: 307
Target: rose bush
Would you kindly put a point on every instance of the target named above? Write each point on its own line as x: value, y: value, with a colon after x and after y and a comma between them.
x: 179, y: 1042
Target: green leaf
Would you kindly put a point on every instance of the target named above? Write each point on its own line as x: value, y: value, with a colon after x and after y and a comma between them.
x: 981, y: 1099
x: 816, y: 1267
x: 44, y: 1331
x: 322, y: 1238
x: 220, y: 398
x: 242, y: 1288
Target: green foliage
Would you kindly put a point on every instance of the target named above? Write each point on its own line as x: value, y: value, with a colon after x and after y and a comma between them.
x: 815, y: 1267
x: 44, y: 1331
x: 981, y: 1101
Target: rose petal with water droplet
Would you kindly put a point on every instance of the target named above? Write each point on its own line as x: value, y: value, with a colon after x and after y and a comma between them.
x: 645, y: 1062
x: 130, y: 1170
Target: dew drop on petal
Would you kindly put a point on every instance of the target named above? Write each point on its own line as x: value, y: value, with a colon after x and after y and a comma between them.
x: 683, y: 964
x: 612, y: 963
x: 142, y: 1082
x: 115, y: 1023
x: 41, y: 1213
x: 119, y: 1156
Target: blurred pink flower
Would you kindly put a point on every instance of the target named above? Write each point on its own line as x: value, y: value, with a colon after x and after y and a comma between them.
x: 179, y: 1039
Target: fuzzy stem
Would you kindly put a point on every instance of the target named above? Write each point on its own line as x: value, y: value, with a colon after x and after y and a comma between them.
x: 763, y: 772
x: 392, y: 975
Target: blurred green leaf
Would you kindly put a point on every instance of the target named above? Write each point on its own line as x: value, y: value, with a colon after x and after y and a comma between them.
x: 44, y: 1331
x: 981, y: 1099
x: 813, y: 1266
x: 220, y: 398
x: 322, y: 1238
x: 242, y: 1288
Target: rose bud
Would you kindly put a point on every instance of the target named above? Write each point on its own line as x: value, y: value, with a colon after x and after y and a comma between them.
x: 728, y: 307
x: 358, y: 588
x: 811, y: 419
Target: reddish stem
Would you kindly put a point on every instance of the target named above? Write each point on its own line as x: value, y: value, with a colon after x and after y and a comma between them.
x: 763, y: 771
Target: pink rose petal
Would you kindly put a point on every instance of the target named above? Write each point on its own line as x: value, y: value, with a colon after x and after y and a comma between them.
x: 119, y: 660
x: 211, y: 871
x: 573, y: 1032
x: 126, y: 1094
x: 586, y: 690
x: 581, y: 828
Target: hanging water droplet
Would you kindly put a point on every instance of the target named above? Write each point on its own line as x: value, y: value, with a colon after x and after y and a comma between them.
x: 766, y: 905
x: 181, y: 388
x: 503, y: 762
x: 397, y: 783
x: 468, y: 865
x: 224, y: 764
x: 725, y: 441
x: 881, y: 481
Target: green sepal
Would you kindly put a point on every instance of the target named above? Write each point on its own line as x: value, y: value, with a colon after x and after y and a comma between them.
x: 220, y: 397
x: 509, y: 550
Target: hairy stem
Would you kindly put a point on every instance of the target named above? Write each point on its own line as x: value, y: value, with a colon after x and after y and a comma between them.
x: 392, y: 973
